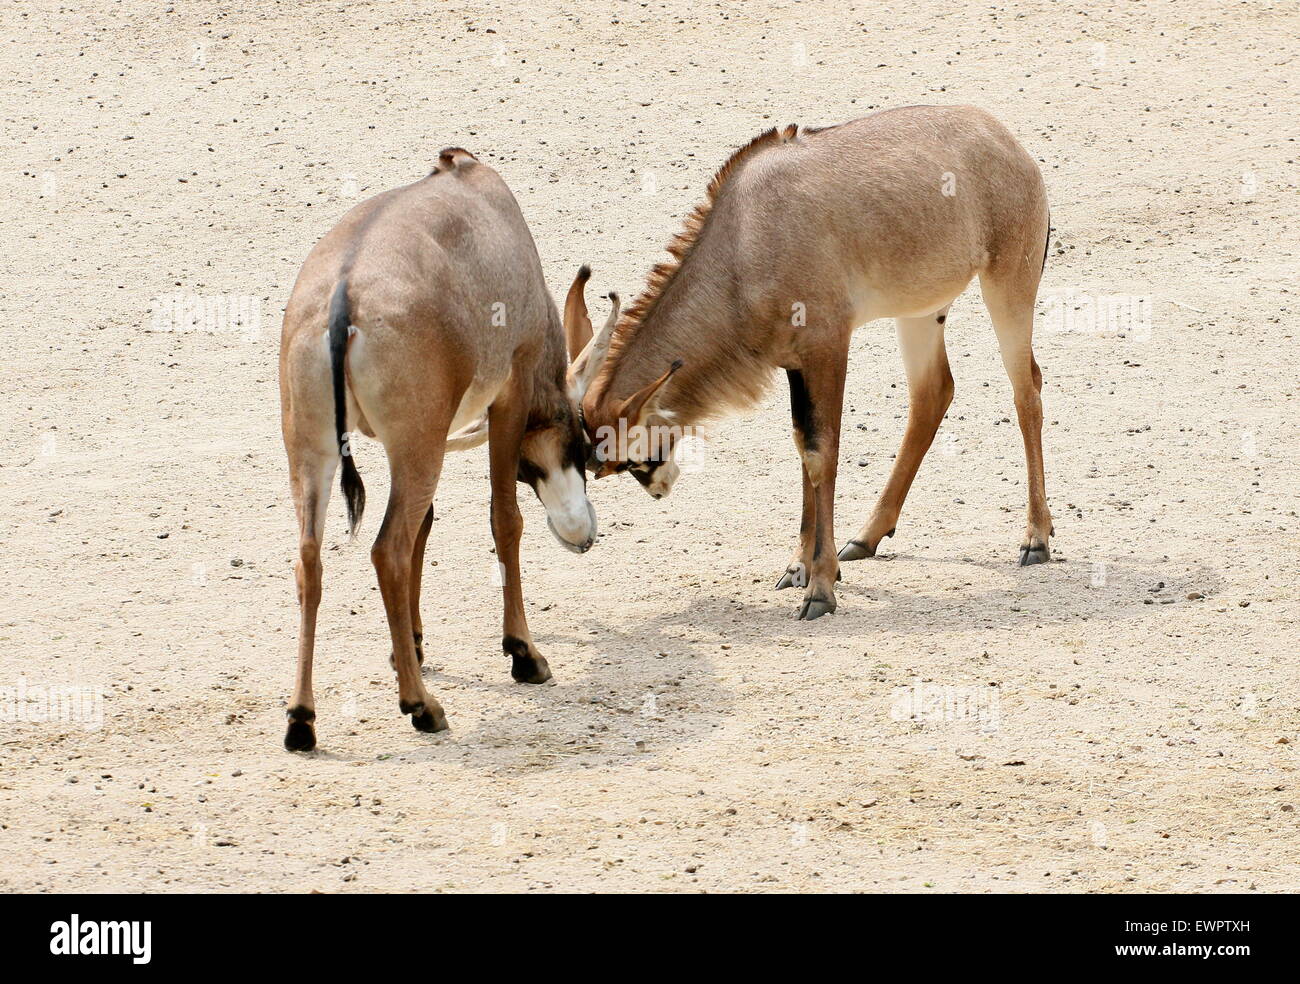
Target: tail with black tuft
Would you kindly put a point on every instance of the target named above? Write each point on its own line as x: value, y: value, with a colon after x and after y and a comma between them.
x: 353, y: 490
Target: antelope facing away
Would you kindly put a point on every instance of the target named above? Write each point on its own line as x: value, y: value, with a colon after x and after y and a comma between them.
x: 805, y: 234
x: 422, y: 319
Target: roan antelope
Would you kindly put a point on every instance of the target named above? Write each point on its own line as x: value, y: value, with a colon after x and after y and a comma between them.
x: 805, y: 234
x: 422, y: 319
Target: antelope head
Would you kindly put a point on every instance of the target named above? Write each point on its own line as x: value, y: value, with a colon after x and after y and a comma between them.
x: 633, y: 435
x: 552, y: 459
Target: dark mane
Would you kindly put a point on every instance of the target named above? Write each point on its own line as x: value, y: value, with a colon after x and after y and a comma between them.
x: 680, y: 246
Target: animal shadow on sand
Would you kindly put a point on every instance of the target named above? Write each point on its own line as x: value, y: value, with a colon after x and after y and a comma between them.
x: 653, y: 684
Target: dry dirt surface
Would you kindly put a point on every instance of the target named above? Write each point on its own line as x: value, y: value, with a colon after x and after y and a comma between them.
x: 1123, y: 719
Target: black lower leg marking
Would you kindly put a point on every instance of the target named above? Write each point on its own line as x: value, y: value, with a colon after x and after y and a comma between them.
x: 514, y: 646
x: 419, y: 648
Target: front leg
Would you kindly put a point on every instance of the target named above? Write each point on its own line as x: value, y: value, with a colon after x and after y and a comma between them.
x: 817, y: 400
x: 507, y: 419
x: 796, y: 573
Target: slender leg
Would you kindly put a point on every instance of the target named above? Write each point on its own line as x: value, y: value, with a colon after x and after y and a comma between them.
x: 817, y: 398
x: 1011, y: 307
x: 930, y: 389
x: 506, y: 420
x: 796, y: 573
x: 311, y: 485
x: 417, y: 573
x: 414, y: 480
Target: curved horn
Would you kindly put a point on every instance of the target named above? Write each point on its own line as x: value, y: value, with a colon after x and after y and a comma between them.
x: 577, y: 326
x: 600, y: 344
x: 586, y: 366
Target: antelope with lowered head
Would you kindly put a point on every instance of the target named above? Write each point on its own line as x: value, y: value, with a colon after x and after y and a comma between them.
x: 805, y: 234
x: 422, y: 320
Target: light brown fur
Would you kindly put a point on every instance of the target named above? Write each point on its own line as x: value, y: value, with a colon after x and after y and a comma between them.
x: 803, y: 236
x: 453, y: 328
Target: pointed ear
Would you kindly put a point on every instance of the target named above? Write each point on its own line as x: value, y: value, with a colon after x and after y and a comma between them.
x: 634, y: 405
x: 577, y: 326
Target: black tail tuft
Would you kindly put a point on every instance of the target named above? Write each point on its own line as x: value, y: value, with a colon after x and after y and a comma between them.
x: 354, y: 492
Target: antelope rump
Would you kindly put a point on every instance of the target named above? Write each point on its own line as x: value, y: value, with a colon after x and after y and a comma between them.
x: 422, y: 320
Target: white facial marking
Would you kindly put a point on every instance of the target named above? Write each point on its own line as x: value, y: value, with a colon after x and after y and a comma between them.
x: 568, y: 512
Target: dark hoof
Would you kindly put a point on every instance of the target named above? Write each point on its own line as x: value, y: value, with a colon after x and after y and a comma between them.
x: 859, y: 550
x: 300, y: 735
x: 527, y: 665
x: 856, y: 550
x: 816, y: 608
x: 425, y: 718
x: 429, y: 722
x: 1034, y: 555
x: 530, y: 670
x: 794, y: 577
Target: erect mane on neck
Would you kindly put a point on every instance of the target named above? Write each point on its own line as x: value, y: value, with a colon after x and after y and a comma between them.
x: 679, y: 249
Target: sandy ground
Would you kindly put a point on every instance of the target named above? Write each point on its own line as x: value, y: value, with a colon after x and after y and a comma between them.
x: 1123, y: 719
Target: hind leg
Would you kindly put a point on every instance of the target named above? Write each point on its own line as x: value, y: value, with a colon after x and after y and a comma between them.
x: 417, y: 575
x: 929, y: 389
x: 414, y: 469
x: 311, y: 476
x: 1010, y: 302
